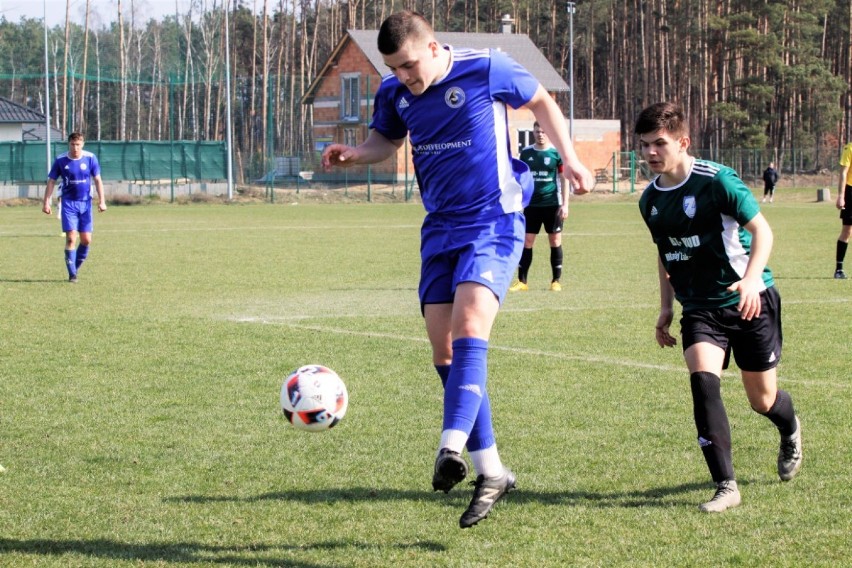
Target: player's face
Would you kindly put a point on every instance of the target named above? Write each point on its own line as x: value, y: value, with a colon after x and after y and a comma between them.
x: 75, y: 149
x: 664, y: 152
x: 416, y: 64
x: 539, y: 136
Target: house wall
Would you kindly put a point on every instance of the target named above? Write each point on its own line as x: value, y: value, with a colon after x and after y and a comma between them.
x: 595, y: 140
x: 10, y: 132
x: 328, y: 125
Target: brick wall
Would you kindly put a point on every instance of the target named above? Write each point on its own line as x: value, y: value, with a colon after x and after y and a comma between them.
x: 595, y: 140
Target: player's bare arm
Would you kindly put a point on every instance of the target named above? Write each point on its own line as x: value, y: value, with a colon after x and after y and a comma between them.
x: 99, y: 186
x: 664, y: 321
x: 752, y: 284
x: 374, y: 149
x: 841, y: 188
x: 48, y: 193
x: 552, y: 121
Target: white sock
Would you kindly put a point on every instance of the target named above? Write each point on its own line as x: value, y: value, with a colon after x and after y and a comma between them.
x: 454, y: 440
x: 487, y: 462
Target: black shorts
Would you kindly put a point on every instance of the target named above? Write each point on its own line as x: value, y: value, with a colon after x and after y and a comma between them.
x: 756, y: 344
x: 846, y: 213
x: 547, y: 216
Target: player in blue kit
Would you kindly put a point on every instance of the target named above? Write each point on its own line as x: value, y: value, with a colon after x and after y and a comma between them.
x: 77, y: 169
x: 452, y: 104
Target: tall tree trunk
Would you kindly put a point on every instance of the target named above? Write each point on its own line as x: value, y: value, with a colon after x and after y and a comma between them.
x: 82, y: 120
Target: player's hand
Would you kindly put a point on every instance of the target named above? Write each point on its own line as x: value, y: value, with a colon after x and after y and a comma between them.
x: 563, y: 212
x: 661, y: 330
x: 581, y: 179
x: 337, y: 155
x: 749, y: 290
x: 102, y: 206
x: 841, y: 202
x: 46, y: 208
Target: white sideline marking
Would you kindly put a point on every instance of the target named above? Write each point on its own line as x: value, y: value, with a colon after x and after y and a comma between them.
x: 519, y: 350
x: 509, y: 349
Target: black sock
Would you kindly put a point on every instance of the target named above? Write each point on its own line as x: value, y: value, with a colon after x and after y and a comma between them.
x: 556, y: 262
x: 524, y: 265
x: 711, y: 421
x: 841, y: 253
x: 782, y: 414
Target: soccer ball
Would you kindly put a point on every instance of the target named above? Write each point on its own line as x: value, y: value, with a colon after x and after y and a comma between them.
x: 314, y: 398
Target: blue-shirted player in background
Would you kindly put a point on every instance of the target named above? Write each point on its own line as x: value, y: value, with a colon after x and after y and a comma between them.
x: 452, y: 104
x: 77, y: 169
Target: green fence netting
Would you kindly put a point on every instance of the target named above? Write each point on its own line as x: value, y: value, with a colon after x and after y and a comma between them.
x: 139, y: 160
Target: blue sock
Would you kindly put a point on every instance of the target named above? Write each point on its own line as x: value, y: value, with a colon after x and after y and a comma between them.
x: 71, y: 262
x: 82, y: 253
x: 465, y: 388
x: 482, y: 435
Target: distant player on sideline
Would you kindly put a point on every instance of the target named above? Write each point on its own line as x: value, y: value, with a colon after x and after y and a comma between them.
x: 844, y: 203
x: 548, y: 207
x: 452, y: 104
x: 78, y: 169
x: 713, y: 246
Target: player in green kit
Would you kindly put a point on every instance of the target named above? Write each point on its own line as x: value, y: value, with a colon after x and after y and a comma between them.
x: 548, y: 208
x: 713, y: 245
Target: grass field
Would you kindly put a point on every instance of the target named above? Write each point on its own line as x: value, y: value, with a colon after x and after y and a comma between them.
x: 139, y: 418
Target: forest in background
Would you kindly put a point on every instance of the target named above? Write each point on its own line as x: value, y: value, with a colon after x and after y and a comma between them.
x: 752, y: 74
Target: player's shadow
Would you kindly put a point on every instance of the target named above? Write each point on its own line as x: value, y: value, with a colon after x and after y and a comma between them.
x: 33, y: 281
x: 187, y: 552
x: 653, y: 497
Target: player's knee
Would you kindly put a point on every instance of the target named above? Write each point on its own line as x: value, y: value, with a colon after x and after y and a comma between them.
x: 705, y: 386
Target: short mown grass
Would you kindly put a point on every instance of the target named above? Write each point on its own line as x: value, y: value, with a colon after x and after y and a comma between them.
x: 139, y: 418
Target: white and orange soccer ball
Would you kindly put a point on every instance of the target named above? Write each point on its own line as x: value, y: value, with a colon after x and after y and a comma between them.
x: 314, y: 398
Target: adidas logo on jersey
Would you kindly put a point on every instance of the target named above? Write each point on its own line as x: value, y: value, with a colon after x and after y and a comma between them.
x: 654, y: 210
x: 402, y: 103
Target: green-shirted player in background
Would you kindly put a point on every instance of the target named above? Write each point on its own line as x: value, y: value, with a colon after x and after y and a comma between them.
x: 548, y: 207
x: 713, y: 244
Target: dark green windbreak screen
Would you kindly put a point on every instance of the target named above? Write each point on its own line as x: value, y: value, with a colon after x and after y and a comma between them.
x: 133, y: 161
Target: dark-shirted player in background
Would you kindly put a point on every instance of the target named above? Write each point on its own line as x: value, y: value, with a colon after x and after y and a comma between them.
x: 548, y: 208
x: 452, y: 104
x: 78, y: 169
x: 713, y: 246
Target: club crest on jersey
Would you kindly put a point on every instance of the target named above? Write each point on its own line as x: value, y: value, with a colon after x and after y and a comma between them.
x: 454, y: 97
x: 83, y: 167
x: 689, y: 206
x: 547, y: 161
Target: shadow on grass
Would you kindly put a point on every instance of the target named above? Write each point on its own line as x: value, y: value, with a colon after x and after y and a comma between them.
x: 188, y: 552
x: 33, y: 281
x: 654, y: 497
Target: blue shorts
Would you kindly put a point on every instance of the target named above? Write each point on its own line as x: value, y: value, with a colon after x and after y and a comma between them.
x: 77, y: 216
x: 451, y: 252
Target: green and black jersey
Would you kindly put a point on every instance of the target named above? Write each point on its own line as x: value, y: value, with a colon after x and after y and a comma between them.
x: 698, y: 229
x: 545, y: 166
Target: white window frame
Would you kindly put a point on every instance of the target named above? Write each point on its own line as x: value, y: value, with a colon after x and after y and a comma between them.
x: 350, y: 97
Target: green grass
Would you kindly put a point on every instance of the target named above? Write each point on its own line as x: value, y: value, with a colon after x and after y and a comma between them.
x: 139, y: 417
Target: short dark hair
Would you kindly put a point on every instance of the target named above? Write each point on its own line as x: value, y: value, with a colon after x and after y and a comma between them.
x: 75, y: 136
x: 662, y: 116
x: 400, y: 27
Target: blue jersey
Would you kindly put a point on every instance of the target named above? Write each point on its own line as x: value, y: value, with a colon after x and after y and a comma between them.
x: 459, y: 133
x: 77, y: 175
